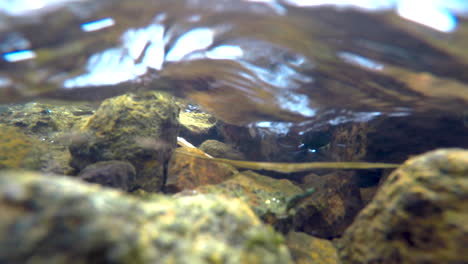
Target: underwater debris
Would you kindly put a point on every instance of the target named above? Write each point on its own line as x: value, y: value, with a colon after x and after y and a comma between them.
x: 285, y: 167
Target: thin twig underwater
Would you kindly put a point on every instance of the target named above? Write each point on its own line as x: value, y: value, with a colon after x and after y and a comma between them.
x: 284, y: 167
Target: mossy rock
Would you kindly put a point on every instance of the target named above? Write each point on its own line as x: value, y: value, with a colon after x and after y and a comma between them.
x: 17, y: 150
x: 139, y: 128
x: 63, y: 220
x: 419, y: 214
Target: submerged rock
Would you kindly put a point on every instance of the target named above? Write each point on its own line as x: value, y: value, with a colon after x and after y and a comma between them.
x: 307, y: 249
x: 219, y: 149
x: 331, y: 208
x: 47, y: 128
x: 18, y: 150
x: 187, y: 172
x: 62, y: 220
x: 419, y: 214
x: 267, y: 197
x: 196, y: 127
x: 138, y: 128
x: 113, y: 173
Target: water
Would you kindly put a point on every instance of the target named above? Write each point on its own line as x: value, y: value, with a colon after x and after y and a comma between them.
x: 287, y: 68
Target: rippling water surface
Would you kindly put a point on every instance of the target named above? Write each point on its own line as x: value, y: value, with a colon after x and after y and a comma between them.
x: 276, y: 65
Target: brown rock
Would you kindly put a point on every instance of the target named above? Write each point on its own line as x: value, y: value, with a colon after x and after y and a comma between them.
x: 186, y: 172
x: 333, y: 206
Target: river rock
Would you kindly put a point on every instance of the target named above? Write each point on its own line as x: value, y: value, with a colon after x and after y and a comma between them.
x: 269, y: 198
x: 219, y: 149
x: 331, y: 208
x: 113, y: 173
x: 54, y: 219
x: 197, y: 126
x: 191, y: 168
x: 307, y: 249
x: 139, y: 128
x: 419, y: 214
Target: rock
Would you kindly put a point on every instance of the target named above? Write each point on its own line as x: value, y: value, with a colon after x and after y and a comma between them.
x: 63, y: 220
x: 307, y: 249
x: 267, y: 197
x: 42, y: 120
x: 367, y: 194
x: 419, y: 214
x: 49, y: 126
x: 219, y: 149
x: 331, y: 208
x: 138, y: 128
x: 196, y: 127
x: 187, y: 172
x: 349, y: 142
x: 113, y: 173
x: 18, y: 150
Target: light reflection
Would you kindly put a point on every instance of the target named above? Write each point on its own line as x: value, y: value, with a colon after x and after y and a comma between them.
x: 195, y: 39
x: 436, y: 14
x: 21, y: 7
x: 141, y: 49
x: 225, y: 52
x: 355, y: 117
x: 14, y: 41
x: 281, y: 76
x: 19, y: 55
x: 297, y: 103
x: 279, y: 128
x: 109, y: 67
x: 98, y: 24
x: 360, y: 60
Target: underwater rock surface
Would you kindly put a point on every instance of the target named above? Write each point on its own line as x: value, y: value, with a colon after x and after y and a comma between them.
x: 331, y: 208
x: 112, y: 173
x: 36, y: 135
x: 307, y: 249
x: 419, y: 215
x: 187, y: 172
x: 219, y: 149
x: 196, y: 127
x: 138, y: 128
x: 52, y: 219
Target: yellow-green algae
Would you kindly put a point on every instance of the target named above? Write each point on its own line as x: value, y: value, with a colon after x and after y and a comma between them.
x: 307, y: 249
x: 17, y: 150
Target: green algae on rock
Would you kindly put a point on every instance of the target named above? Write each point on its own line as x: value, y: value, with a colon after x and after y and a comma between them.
x: 62, y: 220
x: 307, y: 249
x: 138, y: 128
x: 271, y: 199
x: 263, y: 194
x: 196, y: 127
x: 48, y: 128
x: 17, y: 150
x: 419, y: 214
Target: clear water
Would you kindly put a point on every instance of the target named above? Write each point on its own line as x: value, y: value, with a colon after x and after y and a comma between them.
x: 287, y: 67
